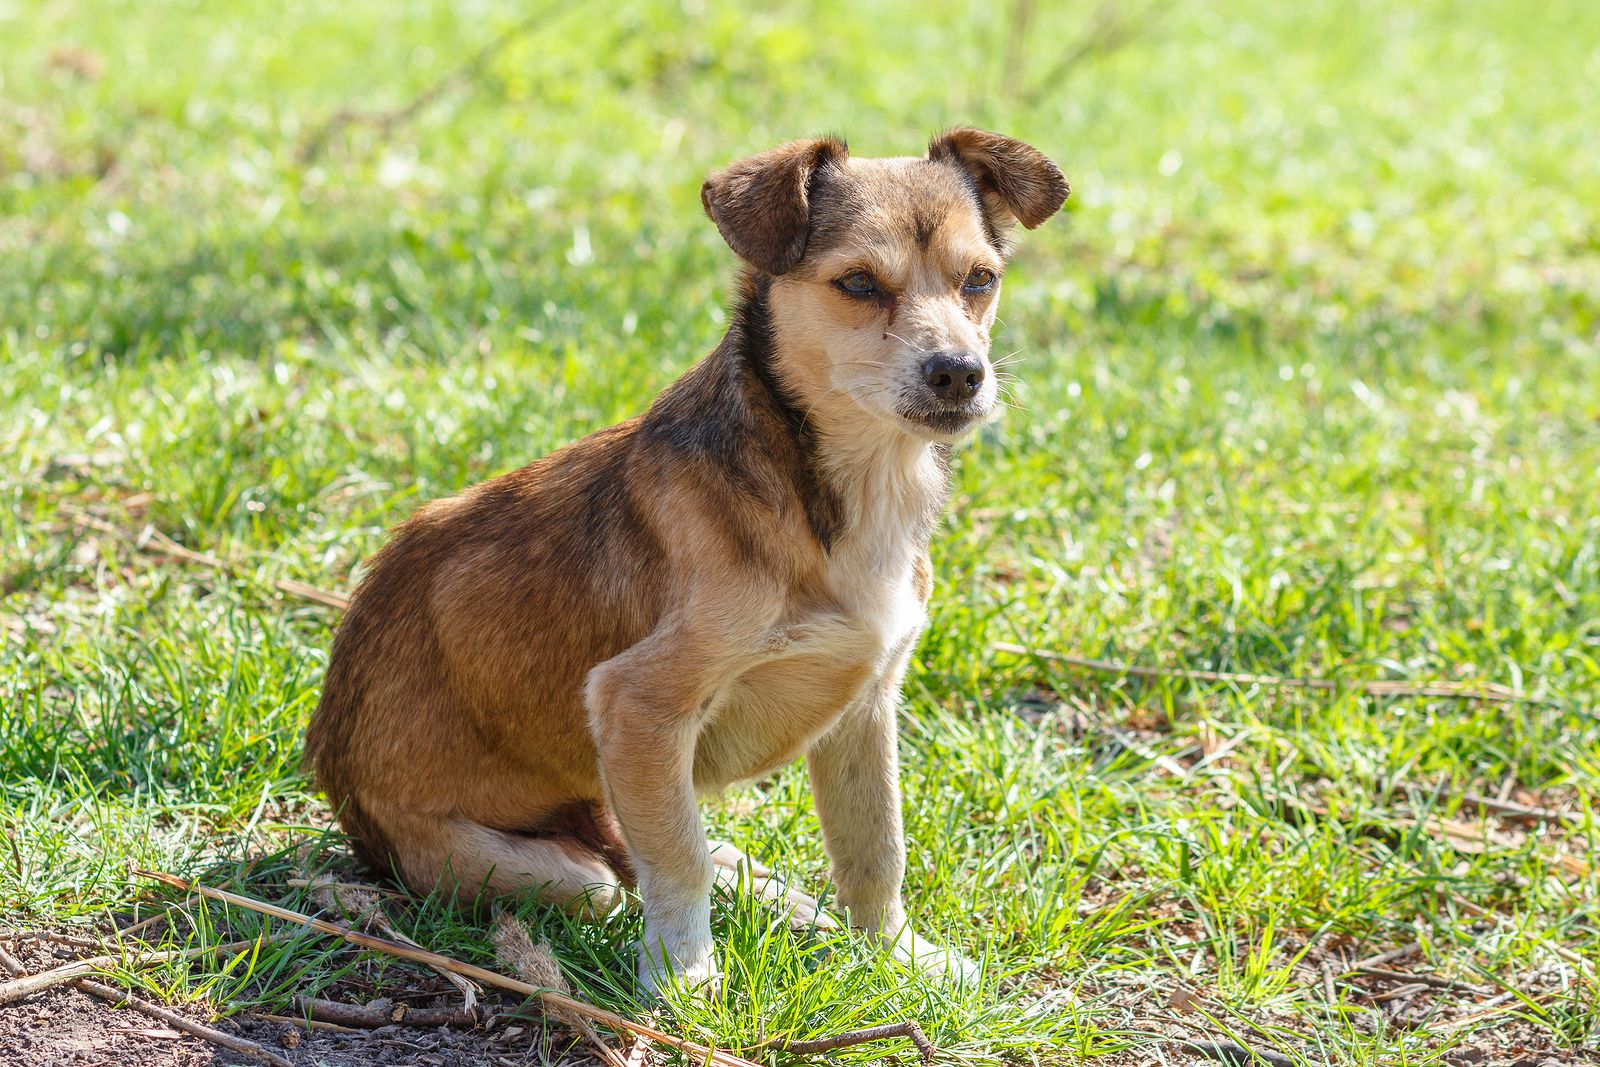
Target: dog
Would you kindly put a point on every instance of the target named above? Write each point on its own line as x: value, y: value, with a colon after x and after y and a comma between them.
x: 537, y: 677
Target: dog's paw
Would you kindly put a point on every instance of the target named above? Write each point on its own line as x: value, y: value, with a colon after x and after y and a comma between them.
x: 700, y: 978
x: 803, y: 912
x: 735, y: 872
x: 693, y: 967
x: 932, y: 958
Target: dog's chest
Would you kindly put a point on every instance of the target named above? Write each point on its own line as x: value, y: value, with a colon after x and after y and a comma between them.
x: 773, y: 712
x: 874, y: 587
x: 853, y: 631
x: 871, y: 574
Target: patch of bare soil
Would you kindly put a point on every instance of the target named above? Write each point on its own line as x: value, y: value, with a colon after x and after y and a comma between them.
x: 64, y: 1027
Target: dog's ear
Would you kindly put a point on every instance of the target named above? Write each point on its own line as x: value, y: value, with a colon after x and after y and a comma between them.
x: 761, y: 205
x: 1015, y: 180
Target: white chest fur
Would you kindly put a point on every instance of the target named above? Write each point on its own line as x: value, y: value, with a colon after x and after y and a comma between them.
x: 824, y: 660
x: 890, y: 490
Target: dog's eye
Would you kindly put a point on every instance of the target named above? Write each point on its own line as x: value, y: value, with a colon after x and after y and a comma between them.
x: 979, y: 280
x: 857, y: 283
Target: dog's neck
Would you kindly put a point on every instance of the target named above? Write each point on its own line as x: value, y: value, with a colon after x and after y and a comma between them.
x: 858, y: 479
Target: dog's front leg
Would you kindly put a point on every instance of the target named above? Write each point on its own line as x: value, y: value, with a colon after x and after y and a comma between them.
x: 645, y: 712
x: 855, y: 777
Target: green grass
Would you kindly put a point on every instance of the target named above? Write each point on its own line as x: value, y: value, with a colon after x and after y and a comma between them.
x: 1310, y: 385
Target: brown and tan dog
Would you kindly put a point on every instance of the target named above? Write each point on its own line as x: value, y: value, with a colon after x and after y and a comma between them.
x: 539, y: 675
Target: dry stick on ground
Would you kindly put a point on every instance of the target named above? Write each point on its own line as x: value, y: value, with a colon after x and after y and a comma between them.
x: 55, y: 938
x: 382, y: 1012
x: 458, y: 76
x: 1514, y: 810
x: 1406, y: 992
x: 117, y: 996
x: 1488, y: 692
x: 1232, y: 1052
x: 364, y: 907
x: 153, y: 542
x: 907, y: 1029
x: 304, y: 1023
x: 1387, y: 957
x: 1407, y: 977
x: 487, y: 977
x: 1109, y: 30
x: 26, y: 986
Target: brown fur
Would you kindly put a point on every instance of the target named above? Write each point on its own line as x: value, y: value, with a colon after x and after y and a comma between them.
x: 538, y: 675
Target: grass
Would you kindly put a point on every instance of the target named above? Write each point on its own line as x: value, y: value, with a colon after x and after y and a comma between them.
x: 1309, y: 385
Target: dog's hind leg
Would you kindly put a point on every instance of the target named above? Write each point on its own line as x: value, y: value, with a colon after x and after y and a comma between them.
x: 473, y: 860
x: 732, y: 867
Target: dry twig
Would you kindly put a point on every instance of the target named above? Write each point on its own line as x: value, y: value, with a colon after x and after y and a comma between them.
x: 549, y: 997
x: 1410, y: 977
x: 305, y: 1024
x: 1511, y: 809
x: 361, y: 905
x: 152, y: 541
x: 1488, y: 692
x: 382, y: 1012
x: 907, y: 1029
x: 1388, y: 957
x: 387, y: 120
x: 56, y: 938
x: 1232, y: 1052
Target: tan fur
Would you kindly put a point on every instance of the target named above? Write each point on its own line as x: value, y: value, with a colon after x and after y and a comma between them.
x: 539, y: 676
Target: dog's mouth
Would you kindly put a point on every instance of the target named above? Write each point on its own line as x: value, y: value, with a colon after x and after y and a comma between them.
x: 945, y: 420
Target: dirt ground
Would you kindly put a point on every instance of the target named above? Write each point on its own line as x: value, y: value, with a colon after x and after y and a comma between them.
x: 64, y: 1027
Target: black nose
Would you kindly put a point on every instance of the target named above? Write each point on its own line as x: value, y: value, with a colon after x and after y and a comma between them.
x: 953, y: 377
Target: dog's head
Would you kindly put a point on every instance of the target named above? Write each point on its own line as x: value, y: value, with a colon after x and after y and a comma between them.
x: 885, y: 273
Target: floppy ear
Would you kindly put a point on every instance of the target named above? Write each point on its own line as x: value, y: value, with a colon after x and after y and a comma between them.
x: 1017, y: 183
x: 761, y: 204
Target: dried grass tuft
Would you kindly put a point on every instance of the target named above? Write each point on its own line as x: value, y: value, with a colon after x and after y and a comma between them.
x: 533, y: 963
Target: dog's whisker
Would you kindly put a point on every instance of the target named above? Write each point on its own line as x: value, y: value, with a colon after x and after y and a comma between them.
x: 806, y: 416
x: 916, y: 347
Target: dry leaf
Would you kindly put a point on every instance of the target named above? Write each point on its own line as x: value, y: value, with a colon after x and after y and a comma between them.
x: 1184, y: 1000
